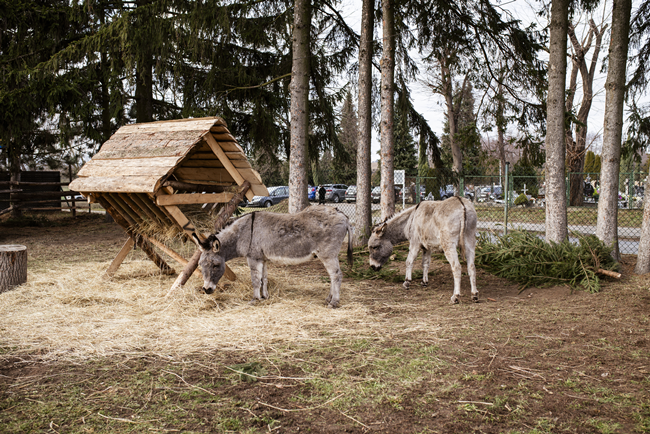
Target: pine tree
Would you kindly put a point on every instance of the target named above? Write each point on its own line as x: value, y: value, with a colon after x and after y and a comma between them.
x: 345, y: 169
x: 590, y: 159
x: 405, y: 153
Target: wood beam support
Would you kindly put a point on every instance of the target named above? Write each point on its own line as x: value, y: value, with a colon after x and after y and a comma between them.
x: 223, y: 217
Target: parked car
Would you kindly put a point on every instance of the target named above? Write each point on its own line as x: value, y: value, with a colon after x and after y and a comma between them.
x: 311, y: 193
x: 375, y: 194
x: 446, y: 192
x: 276, y: 195
x: 497, y: 193
x: 335, y: 192
x: 351, y: 194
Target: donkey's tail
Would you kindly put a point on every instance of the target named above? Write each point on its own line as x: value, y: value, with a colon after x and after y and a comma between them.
x: 350, y: 234
x: 463, y: 223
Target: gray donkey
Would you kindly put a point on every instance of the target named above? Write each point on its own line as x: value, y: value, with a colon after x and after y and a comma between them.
x: 427, y: 226
x: 316, y: 232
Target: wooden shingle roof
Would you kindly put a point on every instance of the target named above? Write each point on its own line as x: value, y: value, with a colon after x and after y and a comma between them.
x: 139, y: 158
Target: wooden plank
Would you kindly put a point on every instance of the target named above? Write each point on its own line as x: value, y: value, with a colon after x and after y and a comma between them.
x: 156, y: 166
x: 239, y: 179
x: 127, y: 171
x: 141, y: 242
x: 196, y: 124
x: 192, y: 162
x: 231, y: 147
x: 210, y: 174
x: 137, y: 209
x: 116, y: 208
x: 176, y: 214
x: 126, y: 207
x: 143, y: 206
x: 236, y: 156
x: 119, y: 184
x: 190, y: 199
x: 162, y: 216
x: 178, y: 258
x: 166, y: 144
x: 223, y: 137
x: 124, y: 251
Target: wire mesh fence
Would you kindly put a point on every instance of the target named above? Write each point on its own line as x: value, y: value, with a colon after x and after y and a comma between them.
x: 512, y: 202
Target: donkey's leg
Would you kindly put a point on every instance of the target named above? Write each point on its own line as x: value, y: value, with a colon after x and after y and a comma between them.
x: 470, y: 251
x: 257, y: 270
x: 336, y: 277
x: 265, y: 281
x: 452, y: 256
x: 414, y: 249
x: 426, y: 260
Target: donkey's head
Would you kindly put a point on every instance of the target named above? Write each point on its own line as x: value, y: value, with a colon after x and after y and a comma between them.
x: 211, y: 262
x: 380, y: 248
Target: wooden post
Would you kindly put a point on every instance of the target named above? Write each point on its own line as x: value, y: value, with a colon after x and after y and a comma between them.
x: 141, y: 242
x: 13, y: 266
x: 223, y: 217
x: 74, y: 205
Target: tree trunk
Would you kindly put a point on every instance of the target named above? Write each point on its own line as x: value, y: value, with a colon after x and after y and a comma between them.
x: 144, y: 91
x: 364, y: 187
x: 387, y: 110
x: 14, y: 161
x: 556, y: 217
x: 299, y: 108
x: 607, y: 225
x: 576, y: 149
x: 13, y: 266
x: 501, y: 127
x: 643, y: 257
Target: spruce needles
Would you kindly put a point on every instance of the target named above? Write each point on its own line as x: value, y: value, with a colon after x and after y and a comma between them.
x: 525, y: 258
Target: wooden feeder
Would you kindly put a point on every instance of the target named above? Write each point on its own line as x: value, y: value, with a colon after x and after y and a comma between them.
x: 144, y: 172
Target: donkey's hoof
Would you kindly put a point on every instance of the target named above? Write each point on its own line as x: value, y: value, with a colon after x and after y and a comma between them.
x: 454, y: 299
x: 333, y: 305
x: 475, y: 298
x: 253, y: 302
x: 424, y: 284
x: 407, y: 284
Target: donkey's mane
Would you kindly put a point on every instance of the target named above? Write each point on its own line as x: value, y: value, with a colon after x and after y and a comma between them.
x: 394, y: 216
x: 232, y: 221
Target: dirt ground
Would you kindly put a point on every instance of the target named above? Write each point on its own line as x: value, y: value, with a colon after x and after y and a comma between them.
x: 542, y: 361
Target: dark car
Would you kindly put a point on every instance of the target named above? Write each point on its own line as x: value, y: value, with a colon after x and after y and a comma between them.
x: 375, y: 194
x: 276, y: 195
x: 335, y: 192
x: 351, y: 194
x: 446, y: 192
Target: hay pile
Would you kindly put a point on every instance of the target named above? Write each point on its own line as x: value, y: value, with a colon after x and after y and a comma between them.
x: 71, y: 310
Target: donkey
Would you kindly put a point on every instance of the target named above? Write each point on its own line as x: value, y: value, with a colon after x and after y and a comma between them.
x: 427, y: 226
x: 317, y: 231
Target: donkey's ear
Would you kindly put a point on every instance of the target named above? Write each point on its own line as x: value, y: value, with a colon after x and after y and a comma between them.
x: 204, y: 245
x: 381, y: 229
x: 216, y: 244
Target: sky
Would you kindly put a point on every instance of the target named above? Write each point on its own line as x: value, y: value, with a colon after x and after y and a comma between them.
x: 432, y: 106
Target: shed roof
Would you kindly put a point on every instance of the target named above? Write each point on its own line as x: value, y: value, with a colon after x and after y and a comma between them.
x: 138, y: 158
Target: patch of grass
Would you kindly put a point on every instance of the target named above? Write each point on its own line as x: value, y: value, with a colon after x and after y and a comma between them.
x: 604, y: 427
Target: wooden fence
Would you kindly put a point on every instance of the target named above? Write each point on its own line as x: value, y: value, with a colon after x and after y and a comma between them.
x: 38, y: 191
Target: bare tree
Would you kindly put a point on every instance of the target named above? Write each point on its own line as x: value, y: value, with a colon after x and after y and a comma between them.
x: 576, y: 148
x: 556, y: 217
x: 643, y: 257
x: 607, y: 225
x: 364, y: 201
x: 299, y: 107
x: 387, y: 109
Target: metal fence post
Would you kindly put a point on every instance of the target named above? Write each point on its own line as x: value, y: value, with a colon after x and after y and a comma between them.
x: 505, y: 202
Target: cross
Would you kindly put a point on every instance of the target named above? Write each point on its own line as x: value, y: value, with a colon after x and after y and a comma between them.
x: 525, y: 190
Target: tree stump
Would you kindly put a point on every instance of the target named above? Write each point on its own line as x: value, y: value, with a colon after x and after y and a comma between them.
x: 13, y: 266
